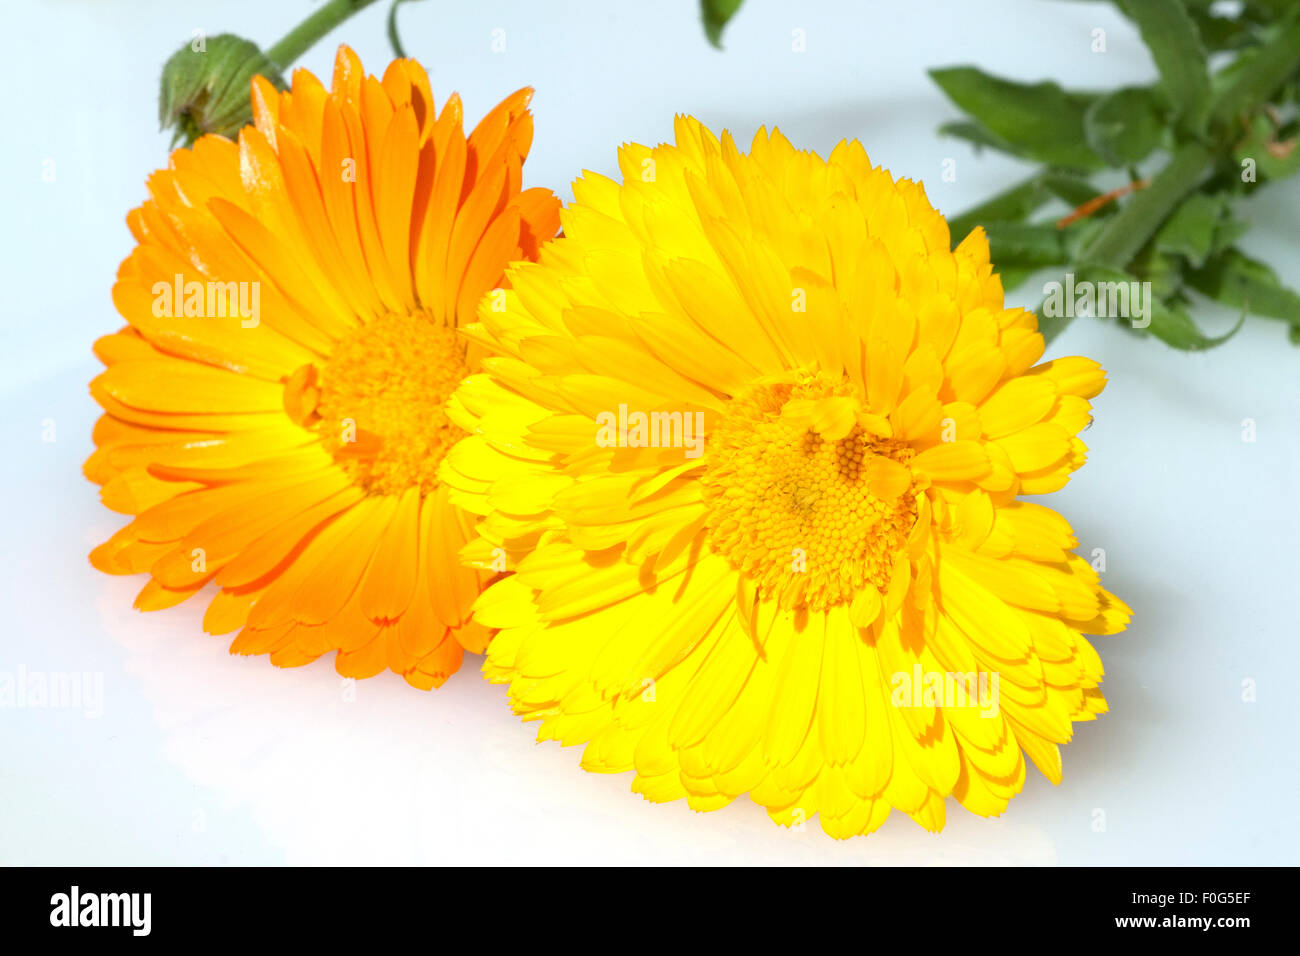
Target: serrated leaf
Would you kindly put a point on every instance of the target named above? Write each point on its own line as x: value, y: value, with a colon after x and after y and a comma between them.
x: 715, y: 14
x: 1240, y: 282
x: 1175, y: 44
x: 1191, y: 230
x: 1040, y: 121
x: 1125, y: 126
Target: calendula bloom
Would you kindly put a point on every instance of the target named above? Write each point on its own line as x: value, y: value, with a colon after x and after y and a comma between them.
x: 754, y: 448
x: 274, y: 411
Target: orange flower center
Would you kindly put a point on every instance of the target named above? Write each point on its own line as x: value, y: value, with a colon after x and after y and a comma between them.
x: 382, y: 402
x: 811, y: 515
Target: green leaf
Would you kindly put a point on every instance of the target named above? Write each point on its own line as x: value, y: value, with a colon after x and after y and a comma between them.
x: 715, y: 14
x: 1175, y: 44
x: 1221, y: 33
x: 1191, y: 230
x: 1015, y: 204
x: 978, y: 136
x: 1229, y: 230
x: 1172, y: 324
x: 1019, y: 244
x: 1125, y: 126
x: 1075, y: 190
x: 1039, y: 120
x: 1010, y: 205
x: 1080, y: 236
x: 1108, y: 293
x: 1163, y: 270
x: 1270, y: 9
x: 1242, y: 86
x: 1014, y: 277
x: 1276, y: 155
x: 1240, y: 282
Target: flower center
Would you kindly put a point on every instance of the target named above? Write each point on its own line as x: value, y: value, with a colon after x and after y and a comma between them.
x: 382, y: 402
x: 812, y: 514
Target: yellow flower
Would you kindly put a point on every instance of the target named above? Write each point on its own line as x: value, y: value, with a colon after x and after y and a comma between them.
x: 835, y: 601
x: 274, y: 409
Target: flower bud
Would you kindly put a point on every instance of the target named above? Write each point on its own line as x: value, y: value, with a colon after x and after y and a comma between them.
x: 205, y: 86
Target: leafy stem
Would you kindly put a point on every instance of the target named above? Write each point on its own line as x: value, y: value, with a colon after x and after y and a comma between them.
x: 1175, y: 231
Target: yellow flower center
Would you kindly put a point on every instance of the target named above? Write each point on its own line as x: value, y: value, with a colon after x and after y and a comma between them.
x: 382, y: 402
x: 809, y: 518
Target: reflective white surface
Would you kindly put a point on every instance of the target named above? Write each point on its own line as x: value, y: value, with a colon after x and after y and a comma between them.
x: 200, y: 757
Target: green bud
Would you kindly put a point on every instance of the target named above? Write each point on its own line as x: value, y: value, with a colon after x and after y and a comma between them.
x: 205, y: 86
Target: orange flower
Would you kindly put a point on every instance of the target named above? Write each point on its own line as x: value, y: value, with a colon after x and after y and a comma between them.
x: 274, y: 409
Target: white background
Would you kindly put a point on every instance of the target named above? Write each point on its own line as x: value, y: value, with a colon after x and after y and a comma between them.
x: 201, y: 757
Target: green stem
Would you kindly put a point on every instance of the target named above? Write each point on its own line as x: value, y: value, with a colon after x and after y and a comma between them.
x: 1126, y: 234
x: 298, y: 40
